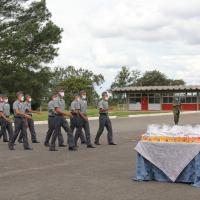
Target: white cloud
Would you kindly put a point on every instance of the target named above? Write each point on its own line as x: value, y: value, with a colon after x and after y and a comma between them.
x: 146, y: 34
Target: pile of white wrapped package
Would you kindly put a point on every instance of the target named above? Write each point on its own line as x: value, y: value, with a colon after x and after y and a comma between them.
x: 166, y: 133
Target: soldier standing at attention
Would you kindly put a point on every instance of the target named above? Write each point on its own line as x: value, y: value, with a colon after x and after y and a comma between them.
x: 104, y: 120
x: 176, y: 110
x: 6, y: 122
x: 84, y: 122
x: 59, y: 107
x: 51, y: 124
x: 30, y: 121
x: 75, y: 120
x: 20, y: 121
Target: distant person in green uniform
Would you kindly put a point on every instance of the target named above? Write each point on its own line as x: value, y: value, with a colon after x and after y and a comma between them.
x: 176, y: 110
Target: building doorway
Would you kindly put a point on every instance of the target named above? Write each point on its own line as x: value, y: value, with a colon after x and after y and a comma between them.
x: 144, y: 103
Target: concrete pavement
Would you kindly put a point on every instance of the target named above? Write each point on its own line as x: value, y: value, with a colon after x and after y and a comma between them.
x: 103, y: 173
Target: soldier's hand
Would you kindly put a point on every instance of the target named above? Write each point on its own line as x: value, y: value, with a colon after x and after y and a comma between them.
x: 68, y: 114
x: 28, y: 116
x: 86, y: 118
x: 9, y: 121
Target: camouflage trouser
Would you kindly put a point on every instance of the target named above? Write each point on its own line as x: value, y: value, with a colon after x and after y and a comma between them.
x: 176, y: 117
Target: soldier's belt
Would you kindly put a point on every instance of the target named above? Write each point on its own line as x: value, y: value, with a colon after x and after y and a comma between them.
x: 61, y: 115
x: 75, y: 114
x: 103, y: 113
x: 19, y: 117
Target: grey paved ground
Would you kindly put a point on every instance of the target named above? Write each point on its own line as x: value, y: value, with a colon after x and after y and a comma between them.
x: 103, y: 173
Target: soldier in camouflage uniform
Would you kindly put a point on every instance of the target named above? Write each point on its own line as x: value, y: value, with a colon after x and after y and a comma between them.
x: 176, y: 110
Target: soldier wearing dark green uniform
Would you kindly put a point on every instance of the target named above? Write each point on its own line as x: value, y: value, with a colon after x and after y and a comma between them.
x: 104, y: 120
x: 30, y: 121
x: 51, y: 124
x: 84, y: 122
x: 75, y: 119
x: 20, y: 121
x: 176, y: 110
x: 59, y: 107
x: 6, y: 122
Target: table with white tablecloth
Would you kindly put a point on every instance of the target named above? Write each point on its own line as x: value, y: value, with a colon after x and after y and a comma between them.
x: 171, y: 162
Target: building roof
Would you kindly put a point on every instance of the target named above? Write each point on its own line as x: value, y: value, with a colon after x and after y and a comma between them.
x: 177, y: 88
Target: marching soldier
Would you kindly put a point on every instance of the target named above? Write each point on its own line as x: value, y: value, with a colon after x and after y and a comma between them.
x: 104, y: 120
x: 51, y: 124
x: 59, y: 107
x: 5, y: 138
x: 20, y: 121
x: 75, y: 120
x: 176, y: 110
x: 6, y: 122
x: 30, y: 120
x: 84, y: 123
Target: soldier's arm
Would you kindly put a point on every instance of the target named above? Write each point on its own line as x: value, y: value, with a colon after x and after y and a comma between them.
x: 33, y: 111
x: 22, y: 114
x: 76, y: 111
x: 83, y: 116
x: 68, y: 114
x: 102, y: 110
x: 58, y: 110
x: 3, y: 116
x: 73, y: 109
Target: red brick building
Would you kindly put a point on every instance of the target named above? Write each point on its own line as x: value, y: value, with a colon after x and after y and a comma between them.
x: 160, y: 97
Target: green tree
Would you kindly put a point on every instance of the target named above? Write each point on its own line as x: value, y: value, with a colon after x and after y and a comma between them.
x: 157, y: 78
x: 124, y: 78
x: 73, y: 80
x: 153, y: 78
x: 27, y: 44
x: 176, y: 82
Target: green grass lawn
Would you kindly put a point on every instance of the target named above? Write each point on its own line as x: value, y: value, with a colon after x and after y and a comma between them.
x: 93, y: 112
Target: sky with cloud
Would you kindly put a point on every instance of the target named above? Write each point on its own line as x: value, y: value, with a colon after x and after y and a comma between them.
x: 103, y: 35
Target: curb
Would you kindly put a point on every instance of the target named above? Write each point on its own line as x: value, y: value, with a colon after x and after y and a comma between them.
x: 129, y: 116
x: 90, y: 119
x: 163, y: 114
